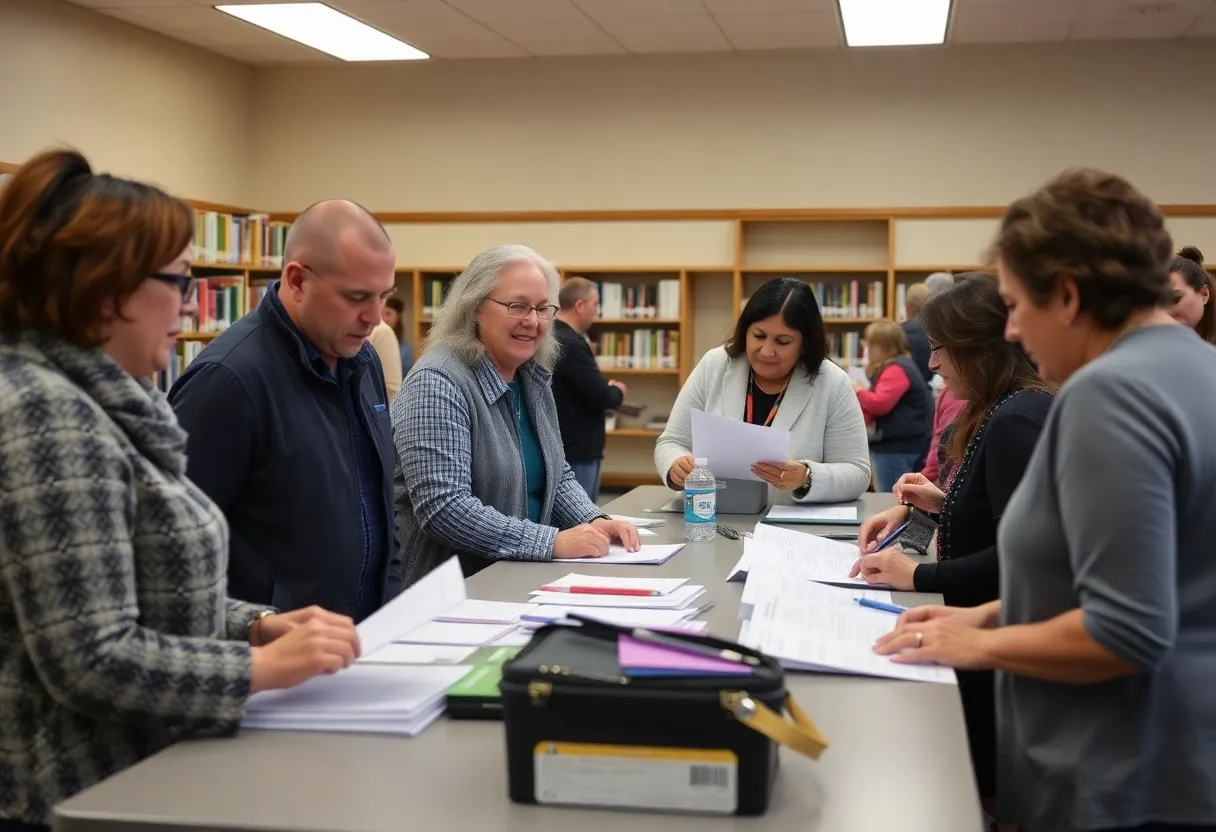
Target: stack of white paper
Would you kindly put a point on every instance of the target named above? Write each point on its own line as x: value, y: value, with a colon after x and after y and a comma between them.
x: 842, y: 515
x: 621, y: 616
x: 451, y: 632
x: 677, y: 600
x: 807, y: 556
x: 811, y: 626
x: 640, y: 522
x: 418, y: 654
x: 472, y: 611
x: 364, y: 698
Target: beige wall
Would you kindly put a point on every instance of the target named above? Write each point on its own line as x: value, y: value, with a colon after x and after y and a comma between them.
x: 135, y: 103
x: 833, y: 129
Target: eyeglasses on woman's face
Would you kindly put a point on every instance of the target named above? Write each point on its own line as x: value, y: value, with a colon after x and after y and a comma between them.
x: 185, y: 283
x: 544, y: 312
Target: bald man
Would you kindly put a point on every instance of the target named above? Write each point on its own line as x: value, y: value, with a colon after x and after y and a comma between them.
x: 289, y: 430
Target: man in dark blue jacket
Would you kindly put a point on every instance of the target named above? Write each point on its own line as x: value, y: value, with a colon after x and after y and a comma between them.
x: 289, y: 426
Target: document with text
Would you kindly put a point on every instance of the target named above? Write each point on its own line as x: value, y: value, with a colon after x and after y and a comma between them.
x: 733, y: 447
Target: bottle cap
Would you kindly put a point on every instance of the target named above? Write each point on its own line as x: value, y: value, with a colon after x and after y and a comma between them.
x: 701, y: 462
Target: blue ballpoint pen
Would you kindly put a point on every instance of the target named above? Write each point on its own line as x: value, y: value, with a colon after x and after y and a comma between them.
x: 891, y: 538
x: 879, y: 605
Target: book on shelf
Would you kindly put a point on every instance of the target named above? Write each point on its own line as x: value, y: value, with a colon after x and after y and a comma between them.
x: 848, y: 299
x: 638, y: 349
x: 619, y: 301
x: 221, y: 303
x: 252, y: 239
x: 434, y: 290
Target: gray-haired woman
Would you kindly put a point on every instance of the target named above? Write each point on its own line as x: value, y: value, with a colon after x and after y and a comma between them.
x: 480, y: 467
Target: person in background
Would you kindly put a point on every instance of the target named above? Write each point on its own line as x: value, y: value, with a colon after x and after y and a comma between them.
x: 993, y: 438
x: 947, y: 408
x: 289, y: 425
x: 394, y: 316
x: 898, y: 405
x: 117, y: 635
x: 1102, y: 637
x: 774, y: 371
x: 914, y: 328
x: 480, y: 468
x: 1193, y: 288
x: 581, y: 392
x: 388, y: 350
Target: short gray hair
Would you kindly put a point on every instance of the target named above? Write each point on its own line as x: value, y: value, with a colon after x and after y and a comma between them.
x: 938, y: 281
x: 454, y: 326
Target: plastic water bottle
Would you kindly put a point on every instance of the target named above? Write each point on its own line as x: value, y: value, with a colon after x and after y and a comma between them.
x: 700, y: 503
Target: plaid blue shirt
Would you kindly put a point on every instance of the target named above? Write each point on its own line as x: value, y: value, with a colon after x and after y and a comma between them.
x: 460, y: 473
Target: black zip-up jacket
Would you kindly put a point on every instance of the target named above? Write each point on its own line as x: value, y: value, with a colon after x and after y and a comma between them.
x: 582, y: 395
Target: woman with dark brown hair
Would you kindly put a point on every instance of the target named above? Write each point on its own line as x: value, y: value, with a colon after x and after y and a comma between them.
x: 117, y: 637
x: 1102, y: 640
x: 990, y: 445
x: 1193, y: 287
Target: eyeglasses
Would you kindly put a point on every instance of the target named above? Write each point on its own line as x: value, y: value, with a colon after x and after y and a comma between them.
x: 544, y: 312
x: 185, y: 283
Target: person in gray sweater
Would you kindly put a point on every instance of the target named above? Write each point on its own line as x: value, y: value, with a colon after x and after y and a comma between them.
x: 1103, y: 639
x: 481, y: 472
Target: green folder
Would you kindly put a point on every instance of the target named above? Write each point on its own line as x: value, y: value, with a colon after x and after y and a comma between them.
x: 476, y: 695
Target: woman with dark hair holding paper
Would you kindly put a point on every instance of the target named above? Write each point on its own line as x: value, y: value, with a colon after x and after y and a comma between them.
x: 774, y: 371
x: 989, y: 448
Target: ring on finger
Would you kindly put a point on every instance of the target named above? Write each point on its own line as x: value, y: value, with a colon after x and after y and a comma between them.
x: 920, y: 640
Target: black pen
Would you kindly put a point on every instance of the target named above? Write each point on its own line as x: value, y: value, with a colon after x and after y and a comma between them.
x: 670, y: 641
x: 839, y: 535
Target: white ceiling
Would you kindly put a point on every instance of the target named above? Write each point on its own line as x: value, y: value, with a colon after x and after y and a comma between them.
x: 543, y: 28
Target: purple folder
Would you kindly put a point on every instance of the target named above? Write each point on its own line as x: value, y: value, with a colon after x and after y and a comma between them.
x: 643, y: 656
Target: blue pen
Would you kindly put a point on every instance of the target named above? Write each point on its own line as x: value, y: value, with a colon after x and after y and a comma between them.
x: 892, y: 537
x: 879, y: 605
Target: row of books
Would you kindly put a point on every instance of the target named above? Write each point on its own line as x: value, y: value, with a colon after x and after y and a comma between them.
x: 251, y: 239
x: 846, y: 349
x: 639, y: 349
x: 221, y: 303
x: 636, y: 300
x: 187, y: 351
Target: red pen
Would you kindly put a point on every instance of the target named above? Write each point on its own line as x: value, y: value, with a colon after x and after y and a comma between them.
x: 599, y: 590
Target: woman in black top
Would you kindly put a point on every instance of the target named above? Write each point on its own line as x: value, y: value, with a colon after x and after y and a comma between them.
x: 989, y: 447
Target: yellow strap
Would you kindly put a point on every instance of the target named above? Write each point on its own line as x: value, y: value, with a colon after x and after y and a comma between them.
x: 800, y: 735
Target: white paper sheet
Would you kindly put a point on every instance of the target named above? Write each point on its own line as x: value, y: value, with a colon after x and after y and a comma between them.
x: 678, y: 600
x: 436, y: 593
x: 816, y: 558
x: 763, y: 576
x: 623, y: 617
x: 802, y: 625
x: 732, y: 447
x: 419, y: 654
x: 450, y: 632
x: 473, y: 611
x: 640, y: 522
x: 663, y: 586
x: 812, y: 514
x: 648, y: 554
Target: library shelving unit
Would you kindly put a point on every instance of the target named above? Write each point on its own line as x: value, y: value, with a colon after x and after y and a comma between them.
x: 860, y: 262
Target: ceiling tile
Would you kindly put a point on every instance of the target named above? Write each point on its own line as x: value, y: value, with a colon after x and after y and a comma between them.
x: 667, y: 34
x: 560, y: 37
x: 1104, y: 21
x: 132, y: 4
x: 198, y: 25
x: 717, y: 7
x: 647, y: 8
x: 1006, y: 22
x: 808, y: 30
x: 518, y: 10
x: 436, y: 28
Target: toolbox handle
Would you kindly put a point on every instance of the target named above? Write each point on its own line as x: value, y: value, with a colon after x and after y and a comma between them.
x: 800, y: 734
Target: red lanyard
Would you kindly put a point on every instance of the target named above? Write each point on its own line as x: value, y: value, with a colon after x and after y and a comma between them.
x: 772, y: 411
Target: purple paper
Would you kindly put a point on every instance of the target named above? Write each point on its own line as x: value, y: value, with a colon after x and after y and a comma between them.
x: 632, y: 653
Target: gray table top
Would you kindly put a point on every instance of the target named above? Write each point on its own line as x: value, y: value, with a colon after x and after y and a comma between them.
x: 898, y: 757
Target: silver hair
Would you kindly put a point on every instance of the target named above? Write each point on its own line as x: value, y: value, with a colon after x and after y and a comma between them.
x: 454, y: 325
x: 938, y: 281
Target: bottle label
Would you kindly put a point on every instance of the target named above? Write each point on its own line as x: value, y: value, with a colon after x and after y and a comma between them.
x: 700, y: 506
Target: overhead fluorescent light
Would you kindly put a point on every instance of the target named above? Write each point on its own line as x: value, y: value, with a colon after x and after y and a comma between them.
x: 326, y: 30
x: 894, y: 22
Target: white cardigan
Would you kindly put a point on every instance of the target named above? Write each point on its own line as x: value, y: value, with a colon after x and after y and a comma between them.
x: 827, y: 430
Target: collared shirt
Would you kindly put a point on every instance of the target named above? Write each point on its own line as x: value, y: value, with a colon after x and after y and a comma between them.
x: 363, y: 452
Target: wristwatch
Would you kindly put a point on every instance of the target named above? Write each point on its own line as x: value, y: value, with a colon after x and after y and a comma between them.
x: 257, y: 620
x: 806, y: 484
